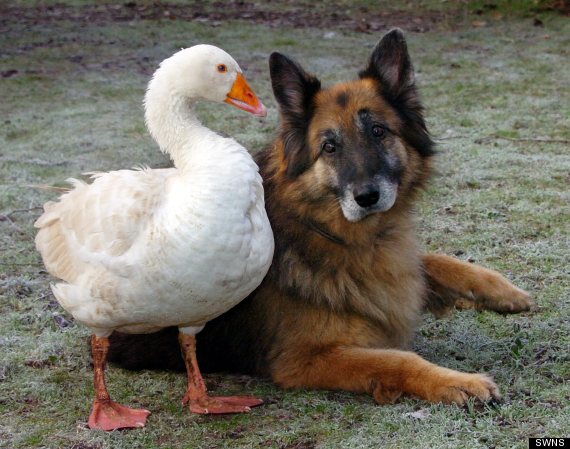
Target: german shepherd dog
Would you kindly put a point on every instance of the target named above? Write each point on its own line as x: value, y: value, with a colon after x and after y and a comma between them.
x: 349, y: 281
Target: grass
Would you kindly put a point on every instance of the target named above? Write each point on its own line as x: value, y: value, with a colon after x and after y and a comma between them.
x: 74, y: 105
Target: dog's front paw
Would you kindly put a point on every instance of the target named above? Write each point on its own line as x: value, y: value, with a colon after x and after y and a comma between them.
x: 494, y: 292
x: 457, y: 388
x: 517, y: 301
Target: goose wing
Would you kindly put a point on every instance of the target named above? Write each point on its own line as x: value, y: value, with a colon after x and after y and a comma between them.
x: 96, y: 223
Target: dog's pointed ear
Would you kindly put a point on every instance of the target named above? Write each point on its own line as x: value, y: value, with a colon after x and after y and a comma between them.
x: 295, y: 91
x: 391, y: 67
x: 390, y: 64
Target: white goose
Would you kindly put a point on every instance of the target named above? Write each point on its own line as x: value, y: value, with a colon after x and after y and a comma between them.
x: 139, y: 250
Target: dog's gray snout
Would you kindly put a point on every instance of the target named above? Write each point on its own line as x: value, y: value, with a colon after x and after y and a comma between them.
x: 366, y: 196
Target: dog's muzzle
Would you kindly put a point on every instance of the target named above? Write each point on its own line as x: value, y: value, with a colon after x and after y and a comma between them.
x: 359, y: 201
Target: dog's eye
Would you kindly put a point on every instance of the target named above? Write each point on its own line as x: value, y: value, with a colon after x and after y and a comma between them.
x: 328, y: 147
x: 378, y: 131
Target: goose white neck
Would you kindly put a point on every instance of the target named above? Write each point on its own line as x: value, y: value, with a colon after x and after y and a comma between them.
x: 171, y: 120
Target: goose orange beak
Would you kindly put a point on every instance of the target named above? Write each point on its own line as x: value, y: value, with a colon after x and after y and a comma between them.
x: 243, y: 97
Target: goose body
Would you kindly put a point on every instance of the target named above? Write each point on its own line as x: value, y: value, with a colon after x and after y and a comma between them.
x: 139, y: 250
x: 159, y: 249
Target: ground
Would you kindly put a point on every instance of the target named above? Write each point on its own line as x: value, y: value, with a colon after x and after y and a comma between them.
x: 495, y: 77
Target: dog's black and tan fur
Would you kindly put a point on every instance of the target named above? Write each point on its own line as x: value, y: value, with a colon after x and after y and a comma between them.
x: 348, y: 281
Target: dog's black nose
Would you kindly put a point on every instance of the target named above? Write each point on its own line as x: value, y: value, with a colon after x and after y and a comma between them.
x: 366, y: 196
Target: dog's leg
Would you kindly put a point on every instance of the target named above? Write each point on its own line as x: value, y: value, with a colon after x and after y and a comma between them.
x: 384, y: 373
x: 453, y: 282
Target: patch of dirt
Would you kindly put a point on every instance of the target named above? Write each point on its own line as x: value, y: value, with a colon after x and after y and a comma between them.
x: 560, y: 6
x: 359, y: 19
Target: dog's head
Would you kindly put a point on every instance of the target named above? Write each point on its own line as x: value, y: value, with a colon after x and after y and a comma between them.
x: 363, y: 141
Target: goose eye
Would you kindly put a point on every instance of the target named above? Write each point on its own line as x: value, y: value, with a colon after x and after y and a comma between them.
x: 328, y: 147
x: 378, y: 131
x: 222, y: 68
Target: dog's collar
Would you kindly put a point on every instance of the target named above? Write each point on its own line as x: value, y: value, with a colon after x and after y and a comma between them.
x: 323, y: 233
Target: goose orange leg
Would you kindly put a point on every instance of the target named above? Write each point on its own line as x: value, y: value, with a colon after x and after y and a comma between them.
x: 196, y: 396
x: 106, y: 414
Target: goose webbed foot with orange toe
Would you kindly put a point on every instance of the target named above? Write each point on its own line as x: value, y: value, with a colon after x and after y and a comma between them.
x: 105, y: 413
x: 196, y: 397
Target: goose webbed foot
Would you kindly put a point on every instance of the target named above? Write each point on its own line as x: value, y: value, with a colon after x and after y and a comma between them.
x: 197, y: 398
x: 105, y: 413
x: 220, y: 404
x: 109, y: 415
